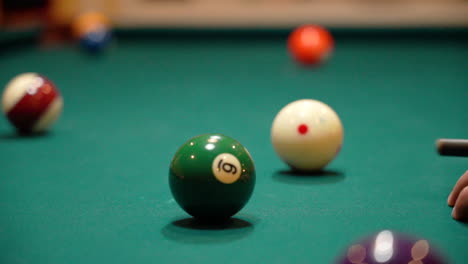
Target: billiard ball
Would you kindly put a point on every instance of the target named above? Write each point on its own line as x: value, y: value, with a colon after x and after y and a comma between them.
x: 87, y: 22
x: 96, y: 40
x: 389, y: 247
x: 310, y: 44
x: 31, y: 102
x: 307, y: 134
x: 212, y: 176
x: 92, y: 30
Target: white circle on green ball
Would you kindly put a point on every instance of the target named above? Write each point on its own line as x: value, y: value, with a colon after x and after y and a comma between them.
x: 226, y: 168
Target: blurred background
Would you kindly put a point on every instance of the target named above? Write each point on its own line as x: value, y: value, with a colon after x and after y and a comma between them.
x: 239, y: 13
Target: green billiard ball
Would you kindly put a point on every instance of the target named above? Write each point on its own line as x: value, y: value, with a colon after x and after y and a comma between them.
x: 212, y: 177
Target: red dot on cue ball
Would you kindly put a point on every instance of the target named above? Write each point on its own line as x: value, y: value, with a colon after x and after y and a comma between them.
x: 302, y: 129
x: 310, y: 44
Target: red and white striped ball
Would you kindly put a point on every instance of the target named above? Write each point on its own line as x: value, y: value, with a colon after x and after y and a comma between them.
x: 31, y: 102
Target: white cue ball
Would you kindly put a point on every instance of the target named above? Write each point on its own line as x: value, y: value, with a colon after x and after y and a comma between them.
x: 307, y: 134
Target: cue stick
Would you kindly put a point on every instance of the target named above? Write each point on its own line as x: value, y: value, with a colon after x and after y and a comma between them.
x: 452, y: 147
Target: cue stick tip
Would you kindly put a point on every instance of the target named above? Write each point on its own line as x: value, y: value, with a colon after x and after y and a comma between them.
x: 452, y: 147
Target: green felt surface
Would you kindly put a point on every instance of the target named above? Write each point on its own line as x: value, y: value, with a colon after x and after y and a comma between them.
x: 95, y: 190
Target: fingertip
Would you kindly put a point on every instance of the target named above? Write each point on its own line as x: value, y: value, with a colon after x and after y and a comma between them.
x: 460, y: 210
x: 457, y: 189
x: 451, y: 200
x: 455, y: 214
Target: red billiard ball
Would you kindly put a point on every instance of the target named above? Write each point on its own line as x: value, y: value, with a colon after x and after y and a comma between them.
x: 31, y: 102
x: 310, y: 44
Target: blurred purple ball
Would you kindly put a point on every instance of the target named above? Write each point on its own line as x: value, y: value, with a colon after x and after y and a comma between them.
x: 388, y: 247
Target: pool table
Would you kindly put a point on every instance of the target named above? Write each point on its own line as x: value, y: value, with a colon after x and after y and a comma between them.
x: 95, y: 188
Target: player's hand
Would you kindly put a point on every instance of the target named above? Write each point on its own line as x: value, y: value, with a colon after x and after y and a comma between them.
x: 458, y: 198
